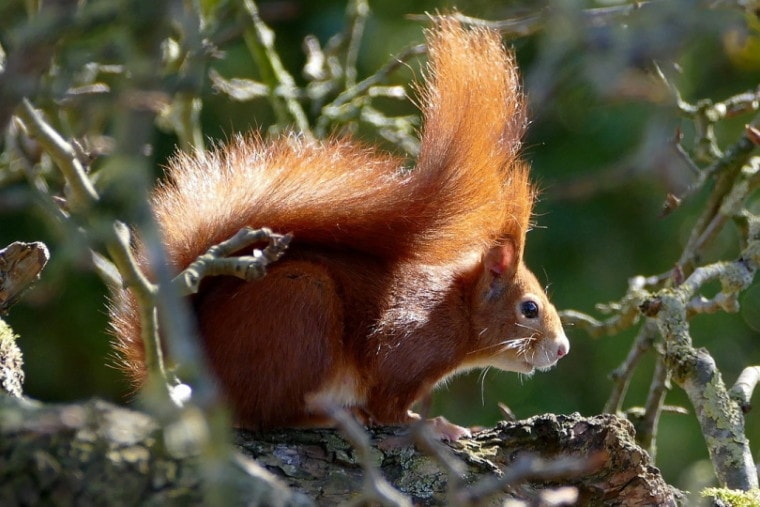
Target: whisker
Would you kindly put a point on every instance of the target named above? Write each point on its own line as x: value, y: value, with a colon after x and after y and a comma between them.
x: 524, y: 326
x: 506, y: 344
x: 482, y: 379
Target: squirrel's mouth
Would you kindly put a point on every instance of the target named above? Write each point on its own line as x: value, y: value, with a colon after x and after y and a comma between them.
x: 524, y: 367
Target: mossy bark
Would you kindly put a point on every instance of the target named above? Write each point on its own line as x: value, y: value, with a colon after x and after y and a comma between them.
x: 97, y: 453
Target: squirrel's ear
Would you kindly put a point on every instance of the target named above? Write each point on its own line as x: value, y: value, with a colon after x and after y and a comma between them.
x: 502, y: 260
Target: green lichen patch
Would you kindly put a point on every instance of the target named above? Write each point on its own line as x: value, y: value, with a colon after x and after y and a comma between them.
x: 11, y: 362
x: 733, y: 497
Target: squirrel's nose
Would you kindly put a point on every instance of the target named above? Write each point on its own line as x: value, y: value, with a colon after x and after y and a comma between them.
x: 563, y: 347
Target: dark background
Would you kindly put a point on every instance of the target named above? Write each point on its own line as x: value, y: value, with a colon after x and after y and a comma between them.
x: 600, y: 144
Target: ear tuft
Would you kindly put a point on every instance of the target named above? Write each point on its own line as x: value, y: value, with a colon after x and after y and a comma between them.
x: 502, y: 260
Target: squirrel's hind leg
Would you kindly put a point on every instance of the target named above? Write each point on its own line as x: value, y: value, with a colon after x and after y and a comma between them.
x: 273, y: 342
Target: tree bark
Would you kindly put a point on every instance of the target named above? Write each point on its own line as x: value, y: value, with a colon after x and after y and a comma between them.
x: 97, y: 453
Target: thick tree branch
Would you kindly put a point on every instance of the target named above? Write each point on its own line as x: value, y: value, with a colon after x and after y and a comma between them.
x: 98, y: 453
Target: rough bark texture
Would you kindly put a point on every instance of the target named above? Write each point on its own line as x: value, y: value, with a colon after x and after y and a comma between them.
x: 322, y: 465
x: 20, y: 266
x: 96, y: 453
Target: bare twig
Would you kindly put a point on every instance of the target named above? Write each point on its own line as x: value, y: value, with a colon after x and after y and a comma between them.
x: 646, y: 430
x: 184, y: 112
x: 693, y: 369
x: 625, y: 312
x: 146, y: 292
x: 216, y: 261
x: 622, y: 375
x: 742, y: 390
x: 528, y: 468
x: 727, y: 168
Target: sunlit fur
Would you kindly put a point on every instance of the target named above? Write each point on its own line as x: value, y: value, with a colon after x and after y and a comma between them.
x: 394, y: 281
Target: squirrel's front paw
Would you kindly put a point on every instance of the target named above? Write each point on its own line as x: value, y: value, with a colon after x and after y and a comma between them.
x: 447, y: 431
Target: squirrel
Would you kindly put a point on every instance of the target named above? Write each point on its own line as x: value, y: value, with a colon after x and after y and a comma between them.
x: 395, y: 279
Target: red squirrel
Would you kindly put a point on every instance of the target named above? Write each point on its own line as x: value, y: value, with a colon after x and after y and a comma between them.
x: 395, y: 279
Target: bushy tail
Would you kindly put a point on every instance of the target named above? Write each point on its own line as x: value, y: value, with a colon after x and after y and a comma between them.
x: 469, y: 188
x: 474, y: 118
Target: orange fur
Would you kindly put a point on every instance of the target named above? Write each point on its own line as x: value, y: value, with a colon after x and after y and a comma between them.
x: 395, y: 279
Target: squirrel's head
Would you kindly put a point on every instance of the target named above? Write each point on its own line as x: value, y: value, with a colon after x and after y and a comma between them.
x: 515, y: 327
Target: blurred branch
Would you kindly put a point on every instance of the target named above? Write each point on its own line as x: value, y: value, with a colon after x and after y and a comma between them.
x: 203, y: 423
x: 260, y: 41
x: 375, y: 489
x: 426, y: 440
x: 31, y: 46
x: 83, y: 200
x: 530, y: 468
x: 187, y: 61
x: 83, y: 195
x: 94, y: 453
x: 349, y: 103
x: 534, y: 23
x: 357, y: 12
x: 120, y: 252
x: 31, y: 54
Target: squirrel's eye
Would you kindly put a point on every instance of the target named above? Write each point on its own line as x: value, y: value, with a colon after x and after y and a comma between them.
x: 529, y: 309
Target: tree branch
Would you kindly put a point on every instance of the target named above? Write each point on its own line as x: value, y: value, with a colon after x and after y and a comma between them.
x: 215, y: 261
x: 694, y: 370
x: 742, y: 390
